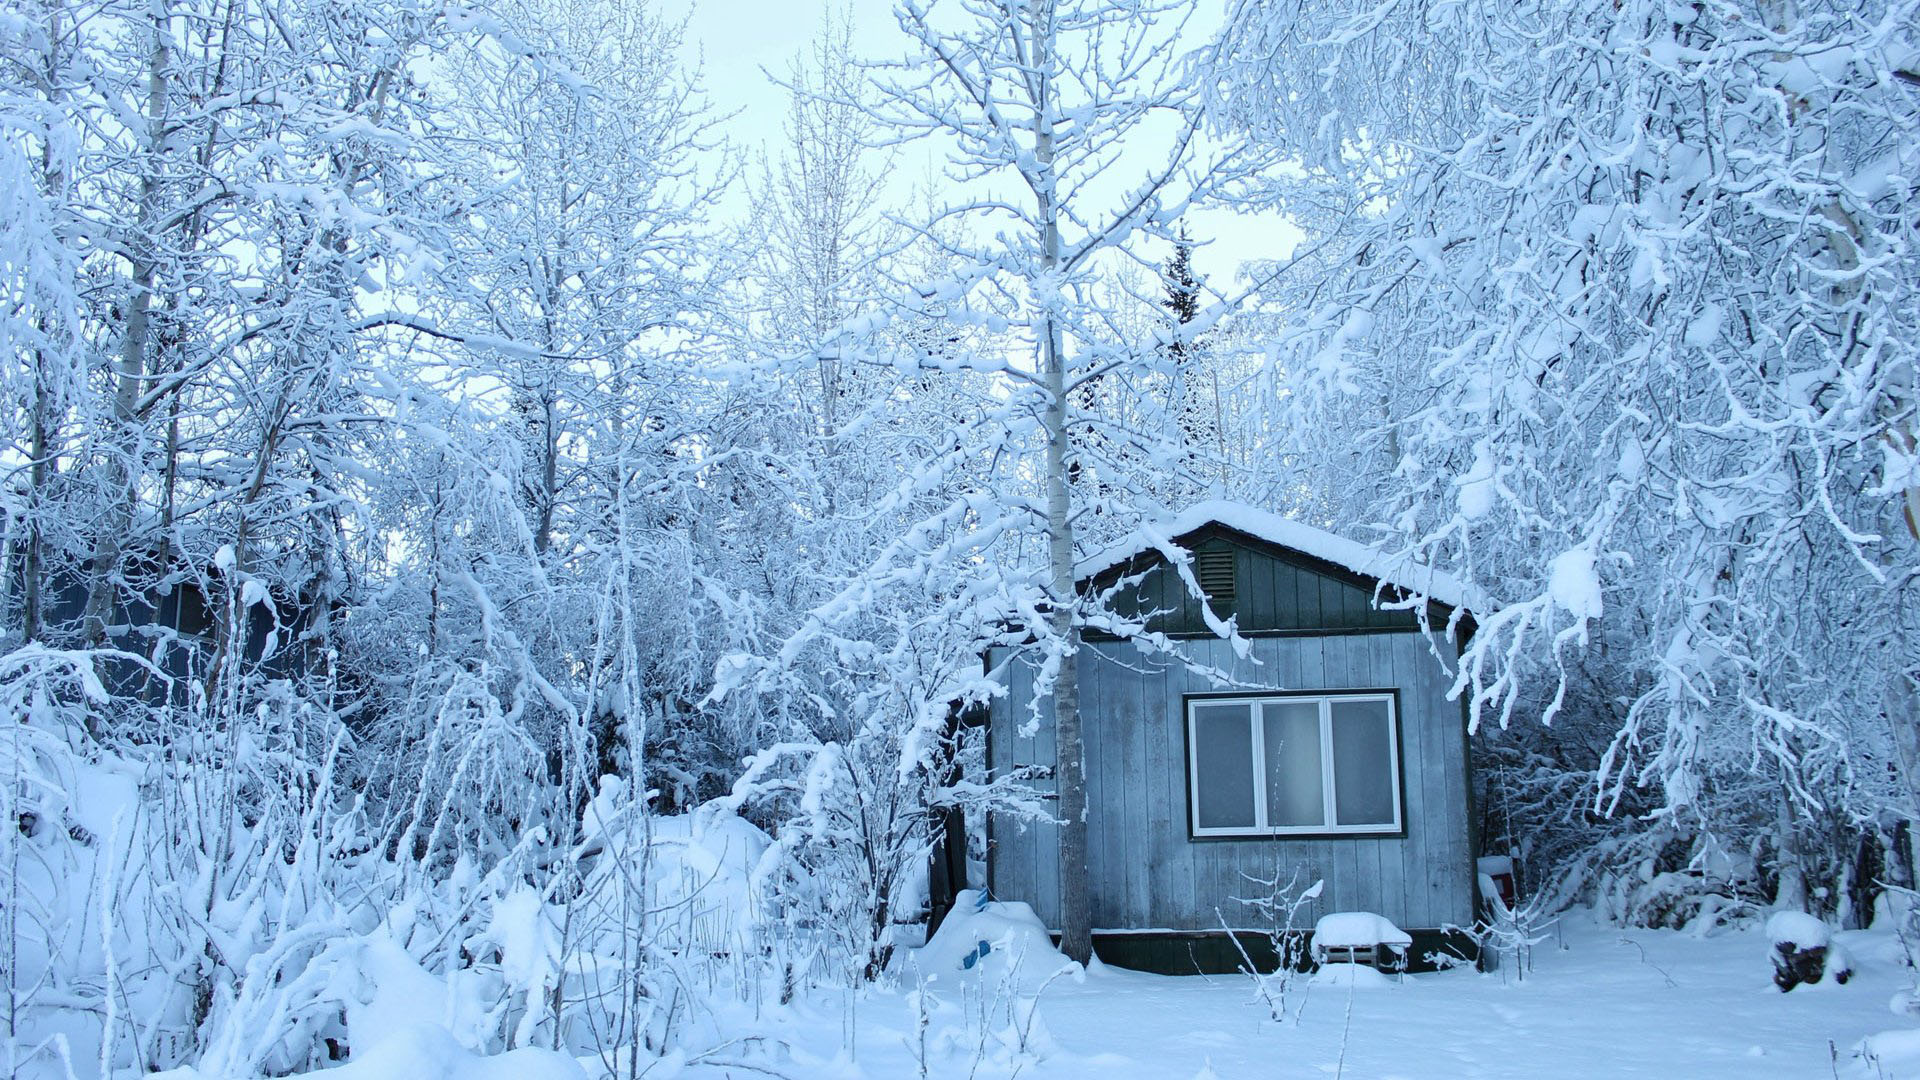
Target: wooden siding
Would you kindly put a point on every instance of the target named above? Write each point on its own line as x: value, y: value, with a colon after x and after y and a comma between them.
x: 1145, y: 871
x: 1275, y: 589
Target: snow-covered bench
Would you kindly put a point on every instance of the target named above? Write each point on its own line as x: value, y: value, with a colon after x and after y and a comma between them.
x: 1360, y: 937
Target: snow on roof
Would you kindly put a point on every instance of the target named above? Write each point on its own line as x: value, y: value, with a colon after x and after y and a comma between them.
x: 1288, y: 533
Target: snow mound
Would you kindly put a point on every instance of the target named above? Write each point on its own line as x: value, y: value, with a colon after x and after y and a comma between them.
x: 706, y: 875
x: 1798, y: 929
x: 1839, y: 965
x: 430, y: 1052
x: 1351, y: 977
x: 707, y: 863
x: 991, y: 938
x: 421, y: 1051
x: 1357, y: 930
x: 383, y: 993
x: 1805, y: 953
x: 1891, y: 1053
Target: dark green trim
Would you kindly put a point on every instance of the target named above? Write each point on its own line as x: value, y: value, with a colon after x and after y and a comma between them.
x: 1399, y: 753
x: 1209, y: 952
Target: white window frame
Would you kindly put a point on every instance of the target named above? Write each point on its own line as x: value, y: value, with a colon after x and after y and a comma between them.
x: 1257, y: 747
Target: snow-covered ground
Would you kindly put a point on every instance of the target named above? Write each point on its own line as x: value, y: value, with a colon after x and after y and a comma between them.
x: 1612, y: 1003
x: 1599, y: 1002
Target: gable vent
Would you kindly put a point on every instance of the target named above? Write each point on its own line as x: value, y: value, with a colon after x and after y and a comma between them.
x: 1214, y: 569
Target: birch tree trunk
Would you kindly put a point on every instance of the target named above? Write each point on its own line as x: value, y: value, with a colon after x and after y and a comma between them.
x: 1076, y: 936
x: 124, y: 452
x: 1903, y: 716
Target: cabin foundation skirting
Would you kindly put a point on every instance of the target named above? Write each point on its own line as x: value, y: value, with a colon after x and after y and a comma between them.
x: 1209, y: 952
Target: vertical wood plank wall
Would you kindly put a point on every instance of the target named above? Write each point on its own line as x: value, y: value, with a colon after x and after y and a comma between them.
x: 1147, y: 874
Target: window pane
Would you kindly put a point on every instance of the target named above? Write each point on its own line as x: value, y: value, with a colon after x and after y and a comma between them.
x: 1362, y: 763
x: 1294, y: 795
x: 1223, y: 766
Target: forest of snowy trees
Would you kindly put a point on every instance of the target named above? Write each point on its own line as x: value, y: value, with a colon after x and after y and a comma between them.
x: 424, y: 488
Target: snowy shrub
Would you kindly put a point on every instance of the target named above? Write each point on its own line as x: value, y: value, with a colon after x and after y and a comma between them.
x: 73, y: 823
x: 1511, y: 931
x: 1000, y: 960
x: 1280, y: 909
x: 1803, y: 951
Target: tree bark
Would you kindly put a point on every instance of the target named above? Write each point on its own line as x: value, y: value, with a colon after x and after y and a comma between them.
x: 46, y: 410
x: 1903, y: 716
x: 1076, y: 928
x: 123, y: 459
x: 1791, y: 893
x: 32, y: 570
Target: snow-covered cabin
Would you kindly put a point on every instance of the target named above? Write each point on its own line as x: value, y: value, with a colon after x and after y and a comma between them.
x: 1333, y: 754
x: 168, y: 609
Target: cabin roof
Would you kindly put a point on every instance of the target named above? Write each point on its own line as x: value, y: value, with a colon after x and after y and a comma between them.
x: 1162, y: 536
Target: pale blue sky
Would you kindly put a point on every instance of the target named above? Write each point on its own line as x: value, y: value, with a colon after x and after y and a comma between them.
x: 738, y: 38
